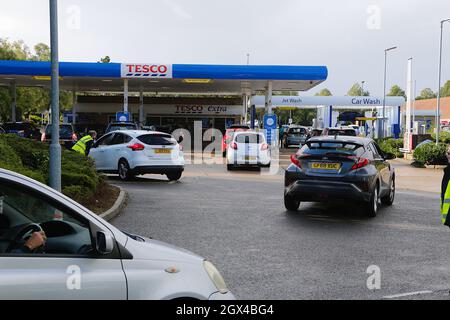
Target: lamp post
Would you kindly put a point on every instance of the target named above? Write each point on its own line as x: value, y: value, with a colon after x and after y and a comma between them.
x: 362, y: 88
x: 384, y: 92
x: 438, y: 108
x: 55, y: 148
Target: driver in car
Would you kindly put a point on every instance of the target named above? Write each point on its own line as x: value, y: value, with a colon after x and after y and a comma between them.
x: 36, y: 240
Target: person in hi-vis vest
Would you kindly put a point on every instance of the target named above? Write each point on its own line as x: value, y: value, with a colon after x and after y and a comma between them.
x: 84, y: 145
x: 445, y: 192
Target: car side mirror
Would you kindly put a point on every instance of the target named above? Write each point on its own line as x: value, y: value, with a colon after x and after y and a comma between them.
x: 104, y: 243
x: 389, y: 156
x: 180, y: 139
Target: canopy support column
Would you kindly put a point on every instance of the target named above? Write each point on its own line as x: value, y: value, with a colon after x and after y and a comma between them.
x: 141, y: 108
x: 13, y: 89
x: 74, y: 107
x: 125, y: 95
x: 269, y: 97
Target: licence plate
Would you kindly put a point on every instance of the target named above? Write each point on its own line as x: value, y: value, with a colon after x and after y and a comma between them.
x: 325, y: 166
x: 163, y: 151
x: 247, y: 158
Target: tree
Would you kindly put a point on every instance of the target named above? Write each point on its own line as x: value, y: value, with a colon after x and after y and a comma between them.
x: 396, y: 91
x: 42, y: 52
x: 357, y: 90
x: 426, y: 93
x: 445, y: 90
x: 106, y: 59
x: 324, y: 92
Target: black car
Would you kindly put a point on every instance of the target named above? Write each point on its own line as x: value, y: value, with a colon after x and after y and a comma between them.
x: 67, y: 135
x: 340, y: 168
x: 23, y: 129
x: 116, y: 126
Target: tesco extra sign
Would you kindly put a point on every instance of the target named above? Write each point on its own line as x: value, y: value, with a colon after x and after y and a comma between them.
x: 142, y: 70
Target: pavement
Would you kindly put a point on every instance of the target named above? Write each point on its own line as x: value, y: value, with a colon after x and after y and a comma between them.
x: 237, y: 220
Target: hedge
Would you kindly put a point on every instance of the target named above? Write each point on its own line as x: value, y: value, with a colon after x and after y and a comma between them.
x: 79, y: 179
x: 431, y: 154
x: 391, y: 145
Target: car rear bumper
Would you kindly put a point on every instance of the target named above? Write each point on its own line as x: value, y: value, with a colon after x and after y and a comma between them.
x: 157, y: 169
x: 322, y: 191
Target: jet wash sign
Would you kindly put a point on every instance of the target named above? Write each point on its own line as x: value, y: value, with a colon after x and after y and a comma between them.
x: 143, y: 70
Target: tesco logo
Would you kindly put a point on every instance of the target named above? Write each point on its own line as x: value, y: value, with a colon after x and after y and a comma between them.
x: 146, y: 70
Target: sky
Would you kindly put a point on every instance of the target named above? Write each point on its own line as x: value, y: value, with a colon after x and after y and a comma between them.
x: 347, y: 36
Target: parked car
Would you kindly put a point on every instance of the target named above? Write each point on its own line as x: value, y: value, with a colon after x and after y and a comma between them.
x: 135, y: 152
x: 67, y: 135
x: 315, y: 133
x: 340, y: 168
x: 23, y: 129
x: 115, y: 126
x: 339, y: 131
x: 110, y: 264
x: 229, y: 135
x: 295, y: 135
x: 248, y: 148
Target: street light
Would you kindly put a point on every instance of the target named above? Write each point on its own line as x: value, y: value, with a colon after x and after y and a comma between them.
x: 384, y: 92
x: 362, y: 87
x: 438, y: 109
x: 55, y: 147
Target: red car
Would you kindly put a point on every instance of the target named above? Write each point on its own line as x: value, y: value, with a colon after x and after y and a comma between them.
x: 229, y: 135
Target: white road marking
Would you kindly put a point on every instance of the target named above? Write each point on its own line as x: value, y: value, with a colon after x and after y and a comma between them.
x: 396, y: 296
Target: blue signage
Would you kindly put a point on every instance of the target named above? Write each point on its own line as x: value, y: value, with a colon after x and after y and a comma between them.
x: 270, y: 125
x: 122, y: 117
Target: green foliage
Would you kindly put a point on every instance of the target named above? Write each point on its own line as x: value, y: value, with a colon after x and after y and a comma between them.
x: 357, y: 90
x: 390, y: 145
x: 426, y: 93
x: 80, y: 180
x: 396, y: 91
x: 324, y: 93
x: 445, y: 90
x: 444, y: 137
x: 431, y: 154
x: 106, y: 59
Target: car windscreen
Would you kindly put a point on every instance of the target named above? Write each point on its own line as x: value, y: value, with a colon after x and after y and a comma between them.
x: 64, y: 130
x: 157, y: 139
x: 250, y: 138
x: 342, y: 132
x: 297, y: 131
x: 117, y: 127
x: 319, y: 148
x: 17, y: 126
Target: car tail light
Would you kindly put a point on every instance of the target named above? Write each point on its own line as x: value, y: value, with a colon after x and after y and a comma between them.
x: 295, y: 161
x: 362, y: 162
x: 43, y: 137
x: 136, y: 147
x: 264, y: 146
x: 234, y: 146
x: 74, y: 137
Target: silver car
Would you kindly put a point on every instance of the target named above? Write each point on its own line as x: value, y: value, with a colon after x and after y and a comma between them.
x: 84, y: 257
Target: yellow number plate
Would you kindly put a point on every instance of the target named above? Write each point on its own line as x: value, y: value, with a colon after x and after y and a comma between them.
x: 326, y: 166
x: 250, y: 158
x: 163, y: 151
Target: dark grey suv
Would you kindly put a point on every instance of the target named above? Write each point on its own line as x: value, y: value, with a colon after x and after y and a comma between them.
x: 340, y: 168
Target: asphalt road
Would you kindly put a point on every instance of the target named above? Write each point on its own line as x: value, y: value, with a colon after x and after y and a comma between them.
x: 237, y: 220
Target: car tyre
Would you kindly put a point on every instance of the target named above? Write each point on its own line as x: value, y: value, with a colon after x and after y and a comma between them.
x: 174, y: 176
x: 389, y: 199
x: 290, y: 203
x: 230, y: 167
x: 124, y: 170
x: 371, y: 207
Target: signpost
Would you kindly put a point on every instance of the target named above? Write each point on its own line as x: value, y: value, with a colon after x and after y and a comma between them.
x: 270, y: 125
x: 122, y: 117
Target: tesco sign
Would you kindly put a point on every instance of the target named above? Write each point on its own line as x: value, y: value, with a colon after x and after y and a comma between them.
x: 142, y: 70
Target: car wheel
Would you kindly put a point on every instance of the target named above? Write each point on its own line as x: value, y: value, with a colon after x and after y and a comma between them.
x: 389, y: 199
x: 371, y: 207
x: 174, y: 176
x: 230, y: 167
x: 124, y: 170
x: 290, y: 203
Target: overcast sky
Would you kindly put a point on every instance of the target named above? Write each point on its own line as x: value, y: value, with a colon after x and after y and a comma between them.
x: 347, y: 36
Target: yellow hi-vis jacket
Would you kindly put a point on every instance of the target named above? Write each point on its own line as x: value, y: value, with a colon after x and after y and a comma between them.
x: 80, y: 146
x: 445, y: 204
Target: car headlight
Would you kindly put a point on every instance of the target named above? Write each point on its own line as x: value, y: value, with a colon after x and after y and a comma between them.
x: 215, y: 276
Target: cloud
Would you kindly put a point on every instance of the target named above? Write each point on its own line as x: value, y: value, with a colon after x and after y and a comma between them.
x: 178, y: 9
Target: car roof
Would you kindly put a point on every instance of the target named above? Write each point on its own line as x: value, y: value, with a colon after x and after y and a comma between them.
x: 341, y: 128
x: 136, y: 133
x: 247, y: 132
x: 349, y: 139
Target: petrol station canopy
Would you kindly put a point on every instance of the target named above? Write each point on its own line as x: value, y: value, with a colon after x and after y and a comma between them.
x: 163, y: 78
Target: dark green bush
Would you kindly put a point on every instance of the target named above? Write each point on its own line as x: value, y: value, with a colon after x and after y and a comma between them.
x: 444, y: 137
x: 391, y: 145
x: 79, y: 178
x: 431, y: 154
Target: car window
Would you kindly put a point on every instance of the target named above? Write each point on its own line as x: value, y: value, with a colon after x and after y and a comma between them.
x: 157, y: 139
x: 376, y: 150
x: 119, y: 138
x: 341, y: 132
x: 105, y: 140
x: 250, y: 138
x: 67, y: 233
x: 325, y: 147
x: 297, y: 131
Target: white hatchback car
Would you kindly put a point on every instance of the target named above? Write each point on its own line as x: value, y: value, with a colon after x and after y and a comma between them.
x: 248, y: 148
x: 87, y: 258
x: 134, y: 152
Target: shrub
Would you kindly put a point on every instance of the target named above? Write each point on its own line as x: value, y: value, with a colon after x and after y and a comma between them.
x: 431, y: 154
x: 444, y: 137
x: 390, y: 145
x: 79, y: 179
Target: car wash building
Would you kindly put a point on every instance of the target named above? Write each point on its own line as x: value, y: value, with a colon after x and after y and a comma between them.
x: 168, y: 96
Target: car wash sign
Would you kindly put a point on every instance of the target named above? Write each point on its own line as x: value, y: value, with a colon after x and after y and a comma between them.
x: 143, y: 70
